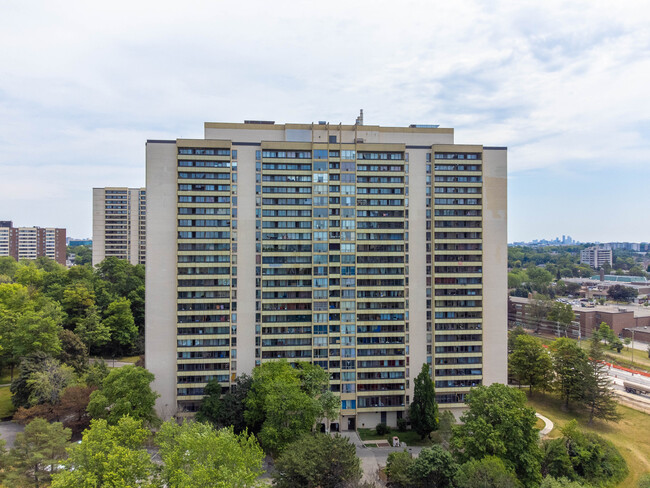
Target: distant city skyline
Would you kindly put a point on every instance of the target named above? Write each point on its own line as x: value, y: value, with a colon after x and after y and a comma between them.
x: 562, y: 85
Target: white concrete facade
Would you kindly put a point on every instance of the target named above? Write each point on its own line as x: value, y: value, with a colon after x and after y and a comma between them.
x: 480, y: 339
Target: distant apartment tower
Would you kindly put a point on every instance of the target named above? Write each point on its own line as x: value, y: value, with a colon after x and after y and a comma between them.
x: 32, y: 242
x: 119, y: 216
x: 596, y: 257
x: 366, y: 250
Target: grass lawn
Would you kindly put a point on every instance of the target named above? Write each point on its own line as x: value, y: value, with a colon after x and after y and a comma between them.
x: 5, y: 376
x: 124, y: 359
x: 6, y: 407
x: 128, y: 359
x: 411, y: 437
x: 629, y: 435
x: 624, y: 358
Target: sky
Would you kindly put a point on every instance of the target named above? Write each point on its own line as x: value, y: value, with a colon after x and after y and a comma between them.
x: 564, y: 85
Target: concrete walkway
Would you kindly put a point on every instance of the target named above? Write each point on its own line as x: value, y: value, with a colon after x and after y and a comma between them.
x: 548, y: 425
x: 374, y: 458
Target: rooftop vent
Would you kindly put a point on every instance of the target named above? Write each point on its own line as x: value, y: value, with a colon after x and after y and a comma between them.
x: 322, y: 122
x: 265, y: 122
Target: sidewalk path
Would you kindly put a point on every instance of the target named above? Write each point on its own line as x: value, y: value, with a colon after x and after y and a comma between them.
x: 548, y: 425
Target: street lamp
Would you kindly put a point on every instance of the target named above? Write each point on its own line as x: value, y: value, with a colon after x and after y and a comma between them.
x: 632, y: 330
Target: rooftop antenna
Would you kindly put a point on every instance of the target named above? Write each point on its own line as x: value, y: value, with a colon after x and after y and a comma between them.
x: 359, y: 120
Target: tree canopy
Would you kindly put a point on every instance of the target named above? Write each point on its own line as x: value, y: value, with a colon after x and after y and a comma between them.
x: 530, y: 364
x: 423, y: 411
x: 196, y: 454
x: 571, y: 366
x: 498, y: 423
x: 109, y: 455
x: 125, y: 391
x: 285, y: 402
x: 37, y: 454
x: 317, y: 461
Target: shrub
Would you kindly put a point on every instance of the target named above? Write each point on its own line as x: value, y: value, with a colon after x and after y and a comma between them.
x: 401, y: 424
x: 382, y: 429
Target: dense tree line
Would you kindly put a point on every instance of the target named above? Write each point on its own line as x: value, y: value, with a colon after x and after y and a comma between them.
x: 577, y: 375
x: 68, y: 313
x: 496, y: 445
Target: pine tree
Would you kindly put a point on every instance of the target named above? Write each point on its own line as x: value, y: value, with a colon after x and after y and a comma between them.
x: 598, y: 395
x: 424, y: 409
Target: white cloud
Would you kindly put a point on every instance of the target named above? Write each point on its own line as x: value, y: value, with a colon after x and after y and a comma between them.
x: 84, y: 84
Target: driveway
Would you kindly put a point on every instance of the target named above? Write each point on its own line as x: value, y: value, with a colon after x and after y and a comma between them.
x: 374, y: 458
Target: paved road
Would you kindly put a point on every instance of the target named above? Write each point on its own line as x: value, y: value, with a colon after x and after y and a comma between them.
x: 618, y: 376
x: 8, y: 431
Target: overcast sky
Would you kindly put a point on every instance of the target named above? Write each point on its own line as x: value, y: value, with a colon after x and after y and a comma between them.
x: 565, y: 85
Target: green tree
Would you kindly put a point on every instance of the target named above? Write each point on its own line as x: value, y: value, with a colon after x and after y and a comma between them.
x: 445, y: 427
x: 516, y: 278
x: 562, y: 314
x: 82, y: 254
x: 498, y: 423
x: 571, y: 366
x: 538, y: 308
x: 555, y: 459
x: 73, y: 351
x: 605, y: 333
x: 47, y: 384
x: 573, y: 288
x: 95, y: 374
x: 28, y: 323
x: 119, y: 320
x: 125, y: 391
x: 560, y: 288
x: 531, y: 364
x: 109, y: 455
x: 622, y: 293
x: 37, y: 454
x: 489, y: 472
x: 92, y: 331
x: 227, y: 409
x: 8, y: 266
x: 433, y: 467
x: 122, y: 276
x: 285, y: 402
x: 551, y: 482
x: 598, y: 395
x: 398, y: 466
x: 317, y: 461
x: 423, y: 411
x: 78, y: 299
x: 40, y: 379
x: 644, y: 482
x: 195, y: 454
x: 539, y: 278
x: 29, y: 275
x: 512, y: 337
x: 592, y: 459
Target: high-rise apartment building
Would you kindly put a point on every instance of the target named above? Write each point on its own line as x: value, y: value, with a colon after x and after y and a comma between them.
x: 32, y: 242
x: 596, y: 257
x: 366, y: 250
x: 119, y: 217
